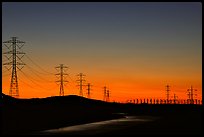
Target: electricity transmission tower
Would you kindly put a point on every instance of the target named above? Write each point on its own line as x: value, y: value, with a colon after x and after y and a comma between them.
x: 81, y: 80
x: 175, y: 98
x: 14, y: 46
x: 191, y: 94
x: 104, y: 93
x: 88, y: 90
x: 62, y: 80
x: 108, y: 95
x: 167, y: 93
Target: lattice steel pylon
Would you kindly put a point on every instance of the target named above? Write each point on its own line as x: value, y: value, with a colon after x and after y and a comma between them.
x: 104, y: 93
x: 167, y: 93
x: 62, y: 81
x: 191, y: 94
x: 81, y: 80
x: 108, y: 95
x: 175, y: 98
x: 89, y: 90
x: 14, y: 46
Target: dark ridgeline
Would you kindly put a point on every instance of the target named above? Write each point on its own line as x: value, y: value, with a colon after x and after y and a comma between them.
x: 24, y: 116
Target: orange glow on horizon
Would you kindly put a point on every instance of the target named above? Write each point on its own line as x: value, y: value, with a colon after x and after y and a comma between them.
x: 120, y: 90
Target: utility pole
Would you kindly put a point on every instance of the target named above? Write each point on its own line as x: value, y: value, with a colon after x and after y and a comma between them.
x: 88, y: 90
x: 61, y: 68
x: 81, y: 80
x: 167, y: 93
x: 191, y: 94
x: 16, y: 55
x: 104, y: 93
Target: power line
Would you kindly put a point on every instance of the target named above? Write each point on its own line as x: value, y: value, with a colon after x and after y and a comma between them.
x: 72, y: 85
x: 4, y: 71
x: 5, y: 75
x: 71, y: 79
x: 32, y: 86
x: 28, y: 77
x: 34, y: 71
x: 38, y: 66
x: 26, y: 83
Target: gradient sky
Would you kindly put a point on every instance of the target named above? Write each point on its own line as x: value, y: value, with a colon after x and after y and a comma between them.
x: 135, y: 49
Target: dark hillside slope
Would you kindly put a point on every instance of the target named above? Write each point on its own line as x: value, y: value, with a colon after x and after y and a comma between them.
x: 21, y: 116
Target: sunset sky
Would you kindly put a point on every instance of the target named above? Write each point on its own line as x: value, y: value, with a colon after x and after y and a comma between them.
x: 135, y: 49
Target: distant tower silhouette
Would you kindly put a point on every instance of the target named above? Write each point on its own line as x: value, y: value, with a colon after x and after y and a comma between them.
x: 104, y: 93
x: 161, y: 101
x: 61, y: 68
x: 175, y: 98
x: 150, y: 101
x: 81, y: 80
x: 89, y: 90
x: 14, y: 46
x: 157, y: 101
x: 167, y: 93
x: 108, y: 95
x: 191, y: 94
x: 196, y: 101
x: 164, y: 101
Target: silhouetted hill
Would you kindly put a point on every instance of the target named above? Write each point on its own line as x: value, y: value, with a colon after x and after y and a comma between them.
x: 30, y: 115
x: 68, y: 100
x: 25, y: 115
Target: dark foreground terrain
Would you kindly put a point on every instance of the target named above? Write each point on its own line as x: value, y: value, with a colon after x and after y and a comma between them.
x: 30, y: 116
